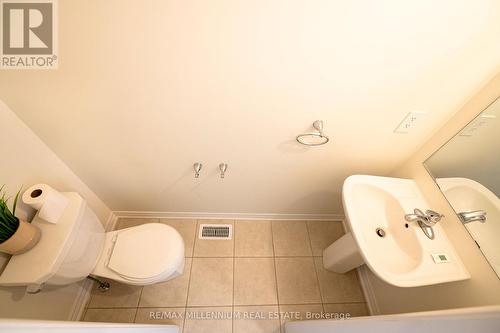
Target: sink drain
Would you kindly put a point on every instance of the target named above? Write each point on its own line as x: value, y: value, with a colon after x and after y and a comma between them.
x: 380, y: 232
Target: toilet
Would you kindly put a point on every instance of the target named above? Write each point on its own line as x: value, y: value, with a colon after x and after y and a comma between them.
x: 146, y: 254
x: 77, y: 247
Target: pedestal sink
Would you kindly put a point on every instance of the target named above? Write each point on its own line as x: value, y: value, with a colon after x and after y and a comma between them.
x: 395, y: 250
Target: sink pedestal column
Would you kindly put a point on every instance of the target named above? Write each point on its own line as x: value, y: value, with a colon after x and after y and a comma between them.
x: 342, y: 255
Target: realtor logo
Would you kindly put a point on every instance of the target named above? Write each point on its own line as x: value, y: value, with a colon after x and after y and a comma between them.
x: 29, y: 39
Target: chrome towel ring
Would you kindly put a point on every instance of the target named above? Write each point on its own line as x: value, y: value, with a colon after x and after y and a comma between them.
x: 314, y: 138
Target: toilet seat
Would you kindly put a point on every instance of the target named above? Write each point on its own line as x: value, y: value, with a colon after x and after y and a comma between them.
x: 141, y: 255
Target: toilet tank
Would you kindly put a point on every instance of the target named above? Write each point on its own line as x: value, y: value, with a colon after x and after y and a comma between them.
x: 86, y: 248
x: 67, y: 251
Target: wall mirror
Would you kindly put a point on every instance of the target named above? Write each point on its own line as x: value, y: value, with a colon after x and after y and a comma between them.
x: 467, y: 170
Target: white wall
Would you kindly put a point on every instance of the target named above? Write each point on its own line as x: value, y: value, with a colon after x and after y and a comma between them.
x: 26, y: 160
x: 145, y: 89
x: 484, y: 286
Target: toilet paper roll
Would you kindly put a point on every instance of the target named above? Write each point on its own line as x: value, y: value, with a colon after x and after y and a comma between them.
x: 49, y: 203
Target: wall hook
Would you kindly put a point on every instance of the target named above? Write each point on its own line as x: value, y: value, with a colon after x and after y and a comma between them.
x: 197, y: 168
x: 222, y: 168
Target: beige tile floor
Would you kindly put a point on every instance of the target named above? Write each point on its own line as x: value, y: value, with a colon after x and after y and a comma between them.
x: 271, y: 272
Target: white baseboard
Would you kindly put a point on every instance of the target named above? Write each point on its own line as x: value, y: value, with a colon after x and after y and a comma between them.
x: 111, y: 222
x: 84, y: 295
x: 81, y: 300
x: 367, y: 288
x: 229, y: 216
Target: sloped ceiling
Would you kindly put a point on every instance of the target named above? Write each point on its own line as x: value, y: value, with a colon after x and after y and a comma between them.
x: 146, y: 88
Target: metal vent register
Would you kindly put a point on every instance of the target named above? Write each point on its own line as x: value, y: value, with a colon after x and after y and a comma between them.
x: 216, y: 231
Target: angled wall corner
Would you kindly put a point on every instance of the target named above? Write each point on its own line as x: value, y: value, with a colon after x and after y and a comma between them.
x: 26, y: 160
x: 484, y: 286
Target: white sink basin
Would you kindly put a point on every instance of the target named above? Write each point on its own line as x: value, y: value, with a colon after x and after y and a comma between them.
x: 468, y: 195
x: 404, y: 256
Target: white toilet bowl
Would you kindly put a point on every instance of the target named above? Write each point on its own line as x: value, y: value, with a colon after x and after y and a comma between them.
x: 146, y: 254
x: 77, y: 246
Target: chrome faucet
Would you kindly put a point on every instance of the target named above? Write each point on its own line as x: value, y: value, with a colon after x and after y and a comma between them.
x: 429, y: 218
x: 472, y: 215
x: 425, y: 220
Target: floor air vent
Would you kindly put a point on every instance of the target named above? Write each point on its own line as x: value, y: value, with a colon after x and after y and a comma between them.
x: 216, y: 231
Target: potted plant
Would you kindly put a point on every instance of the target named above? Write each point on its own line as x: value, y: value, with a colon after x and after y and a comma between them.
x: 16, y: 236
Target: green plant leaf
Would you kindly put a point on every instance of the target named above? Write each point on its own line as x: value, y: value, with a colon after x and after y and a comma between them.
x: 8, y: 222
x: 14, y: 205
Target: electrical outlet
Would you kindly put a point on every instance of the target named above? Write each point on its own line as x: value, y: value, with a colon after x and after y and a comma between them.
x: 409, y: 122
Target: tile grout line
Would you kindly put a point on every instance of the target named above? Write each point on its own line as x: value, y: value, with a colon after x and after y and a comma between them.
x: 234, y: 257
x: 314, y: 264
x: 148, y: 307
x: 84, y: 314
x: 115, y: 308
x: 276, y: 276
x: 138, y: 302
x: 249, y: 257
x: 255, y: 257
x: 190, y: 275
x: 360, y: 287
x: 87, y: 306
x: 140, y: 294
x: 234, y: 266
x: 204, y: 306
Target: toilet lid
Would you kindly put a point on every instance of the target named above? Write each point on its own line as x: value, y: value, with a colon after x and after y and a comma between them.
x: 146, y: 251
